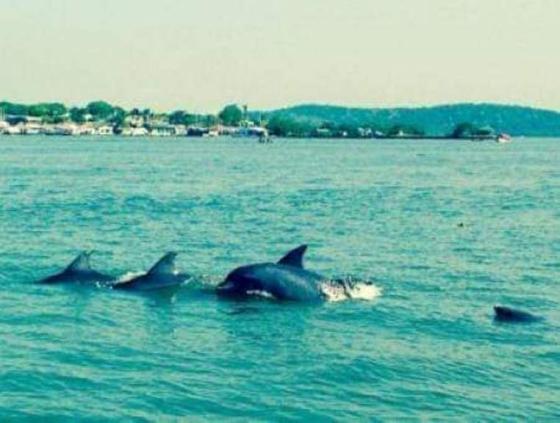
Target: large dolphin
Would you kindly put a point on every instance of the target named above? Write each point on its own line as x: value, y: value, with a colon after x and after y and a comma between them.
x: 79, y: 270
x: 162, y: 275
x: 285, y: 280
x: 510, y: 315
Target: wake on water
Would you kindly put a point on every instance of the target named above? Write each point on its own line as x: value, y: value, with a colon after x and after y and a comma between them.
x: 350, y: 289
x: 335, y: 290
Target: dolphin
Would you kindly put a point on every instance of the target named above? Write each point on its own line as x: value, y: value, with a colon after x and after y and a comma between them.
x: 162, y: 275
x: 285, y: 280
x: 79, y: 271
x: 510, y: 315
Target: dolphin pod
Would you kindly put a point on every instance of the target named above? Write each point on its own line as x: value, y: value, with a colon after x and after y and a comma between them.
x: 162, y: 275
x: 286, y: 280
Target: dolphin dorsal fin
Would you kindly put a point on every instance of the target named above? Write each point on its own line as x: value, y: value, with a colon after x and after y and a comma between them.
x: 295, y: 257
x: 81, y: 263
x: 166, y: 264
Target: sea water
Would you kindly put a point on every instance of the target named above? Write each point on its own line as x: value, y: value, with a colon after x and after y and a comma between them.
x: 439, y: 232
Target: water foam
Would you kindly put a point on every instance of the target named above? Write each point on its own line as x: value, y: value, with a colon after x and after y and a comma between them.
x: 342, y: 290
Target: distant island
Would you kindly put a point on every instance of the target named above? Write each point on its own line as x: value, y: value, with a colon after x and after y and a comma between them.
x: 458, y: 121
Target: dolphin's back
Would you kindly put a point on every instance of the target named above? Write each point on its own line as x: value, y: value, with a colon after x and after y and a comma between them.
x: 507, y: 314
x: 281, y: 281
x: 79, y: 270
x: 162, y: 275
x: 61, y: 277
x: 150, y: 282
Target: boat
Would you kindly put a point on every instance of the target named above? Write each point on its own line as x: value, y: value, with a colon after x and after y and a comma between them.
x: 503, y: 138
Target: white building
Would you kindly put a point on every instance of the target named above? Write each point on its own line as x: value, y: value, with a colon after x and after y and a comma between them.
x: 252, y: 131
x: 13, y: 130
x: 86, y: 130
x: 135, y: 121
x: 162, y: 130
x: 135, y: 132
x: 104, y: 130
x: 32, y: 129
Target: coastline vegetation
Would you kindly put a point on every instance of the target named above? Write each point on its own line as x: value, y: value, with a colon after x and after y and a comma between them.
x: 102, y: 118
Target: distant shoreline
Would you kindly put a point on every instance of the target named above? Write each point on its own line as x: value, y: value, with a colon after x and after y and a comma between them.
x: 255, y: 138
x: 448, y: 122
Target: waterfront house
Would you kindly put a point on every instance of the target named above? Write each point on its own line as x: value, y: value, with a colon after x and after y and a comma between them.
x: 86, y: 129
x: 180, y: 130
x: 64, y: 129
x: 213, y: 132
x: 135, y: 132
x: 135, y: 121
x: 33, y: 120
x: 252, y: 131
x: 104, y: 130
x: 162, y: 130
x: 13, y: 129
x: 32, y: 129
x: 225, y: 130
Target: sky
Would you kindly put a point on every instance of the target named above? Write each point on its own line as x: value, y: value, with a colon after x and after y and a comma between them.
x: 199, y: 55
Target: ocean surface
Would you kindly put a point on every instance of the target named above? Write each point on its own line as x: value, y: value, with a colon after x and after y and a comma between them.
x: 443, y: 231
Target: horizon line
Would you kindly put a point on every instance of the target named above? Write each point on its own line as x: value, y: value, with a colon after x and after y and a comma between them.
x: 295, y: 105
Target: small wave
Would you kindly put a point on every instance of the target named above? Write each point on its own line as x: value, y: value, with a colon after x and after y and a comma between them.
x: 348, y: 289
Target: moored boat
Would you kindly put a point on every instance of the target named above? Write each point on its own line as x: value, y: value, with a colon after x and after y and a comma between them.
x: 503, y: 138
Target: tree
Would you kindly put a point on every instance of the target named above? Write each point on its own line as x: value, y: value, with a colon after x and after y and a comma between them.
x: 14, y: 109
x: 146, y: 115
x: 44, y: 110
x: 180, y: 117
x: 77, y: 115
x: 118, y: 116
x: 100, y: 110
x: 231, y: 115
x: 463, y: 130
x: 209, y: 120
x: 286, y: 126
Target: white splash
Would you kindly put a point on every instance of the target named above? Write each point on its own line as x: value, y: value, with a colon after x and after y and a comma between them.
x: 335, y: 291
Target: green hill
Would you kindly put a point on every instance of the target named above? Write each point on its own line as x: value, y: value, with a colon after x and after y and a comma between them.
x: 437, y: 120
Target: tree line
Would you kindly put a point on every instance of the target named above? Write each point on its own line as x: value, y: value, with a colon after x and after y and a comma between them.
x: 278, y: 124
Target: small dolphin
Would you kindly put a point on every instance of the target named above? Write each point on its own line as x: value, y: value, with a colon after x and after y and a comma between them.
x: 79, y: 271
x: 510, y: 315
x: 285, y: 280
x: 162, y: 275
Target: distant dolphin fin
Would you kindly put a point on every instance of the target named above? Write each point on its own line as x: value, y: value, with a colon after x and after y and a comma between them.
x: 81, y: 263
x: 166, y: 265
x: 295, y: 257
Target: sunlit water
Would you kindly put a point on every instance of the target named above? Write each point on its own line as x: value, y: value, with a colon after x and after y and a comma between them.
x: 444, y: 230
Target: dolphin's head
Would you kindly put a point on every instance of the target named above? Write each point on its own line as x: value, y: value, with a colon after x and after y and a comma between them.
x: 239, y: 282
x: 507, y: 314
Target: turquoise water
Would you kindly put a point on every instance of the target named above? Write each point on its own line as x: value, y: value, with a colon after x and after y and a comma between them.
x: 388, y: 212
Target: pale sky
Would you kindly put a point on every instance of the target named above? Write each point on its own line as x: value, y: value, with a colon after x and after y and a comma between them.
x: 199, y: 55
